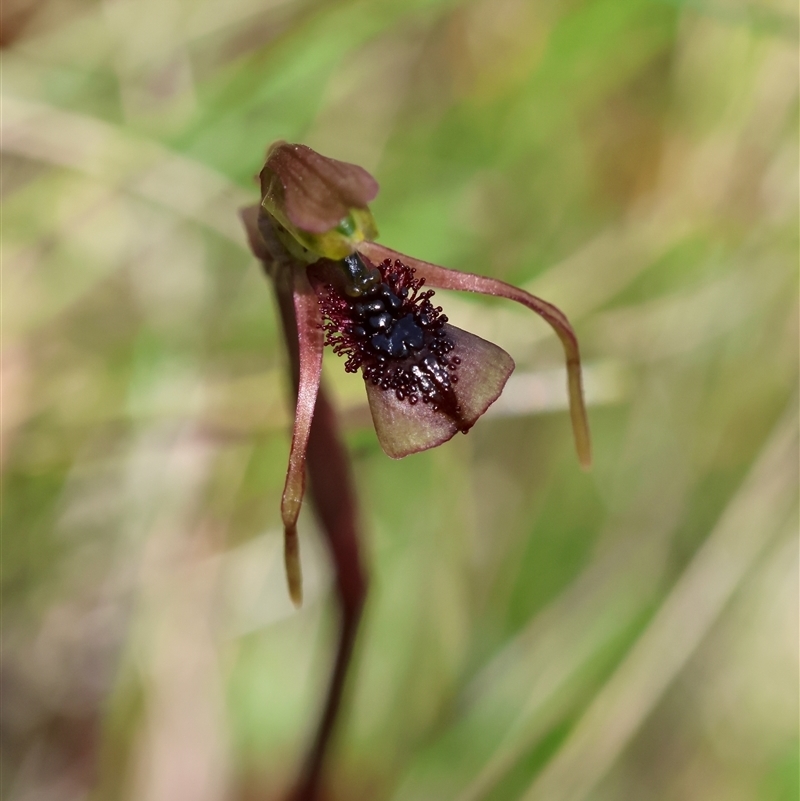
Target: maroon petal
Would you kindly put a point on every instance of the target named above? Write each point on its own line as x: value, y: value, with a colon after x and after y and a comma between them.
x: 316, y: 192
x: 443, y: 278
x: 310, y: 339
x: 403, y: 428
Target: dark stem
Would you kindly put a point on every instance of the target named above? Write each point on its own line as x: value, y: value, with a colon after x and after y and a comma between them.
x: 333, y: 495
x: 332, y: 491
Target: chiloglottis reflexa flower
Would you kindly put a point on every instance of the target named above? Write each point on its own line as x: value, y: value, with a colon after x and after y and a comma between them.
x: 426, y: 379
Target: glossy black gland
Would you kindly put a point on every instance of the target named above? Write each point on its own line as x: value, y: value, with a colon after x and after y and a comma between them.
x: 360, y: 279
x: 392, y: 332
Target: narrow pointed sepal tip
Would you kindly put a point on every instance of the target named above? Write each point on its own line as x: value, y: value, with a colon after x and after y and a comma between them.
x: 580, y: 430
x: 577, y: 410
x: 294, y: 573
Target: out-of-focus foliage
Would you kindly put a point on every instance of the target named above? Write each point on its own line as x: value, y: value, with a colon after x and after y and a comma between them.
x: 533, y: 632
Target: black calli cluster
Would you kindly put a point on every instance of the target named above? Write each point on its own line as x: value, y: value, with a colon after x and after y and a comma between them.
x: 382, y: 320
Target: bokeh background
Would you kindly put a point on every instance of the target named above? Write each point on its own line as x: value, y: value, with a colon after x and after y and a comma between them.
x: 533, y: 632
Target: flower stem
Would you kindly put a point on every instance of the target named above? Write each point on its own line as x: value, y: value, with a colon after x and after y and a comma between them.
x: 335, y: 503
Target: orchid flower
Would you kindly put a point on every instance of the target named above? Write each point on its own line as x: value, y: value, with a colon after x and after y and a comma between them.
x: 425, y: 379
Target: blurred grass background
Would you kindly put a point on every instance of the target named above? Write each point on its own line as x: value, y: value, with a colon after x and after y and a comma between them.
x: 533, y: 632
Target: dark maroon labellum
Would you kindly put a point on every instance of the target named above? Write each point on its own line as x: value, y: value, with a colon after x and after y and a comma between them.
x: 383, y: 322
